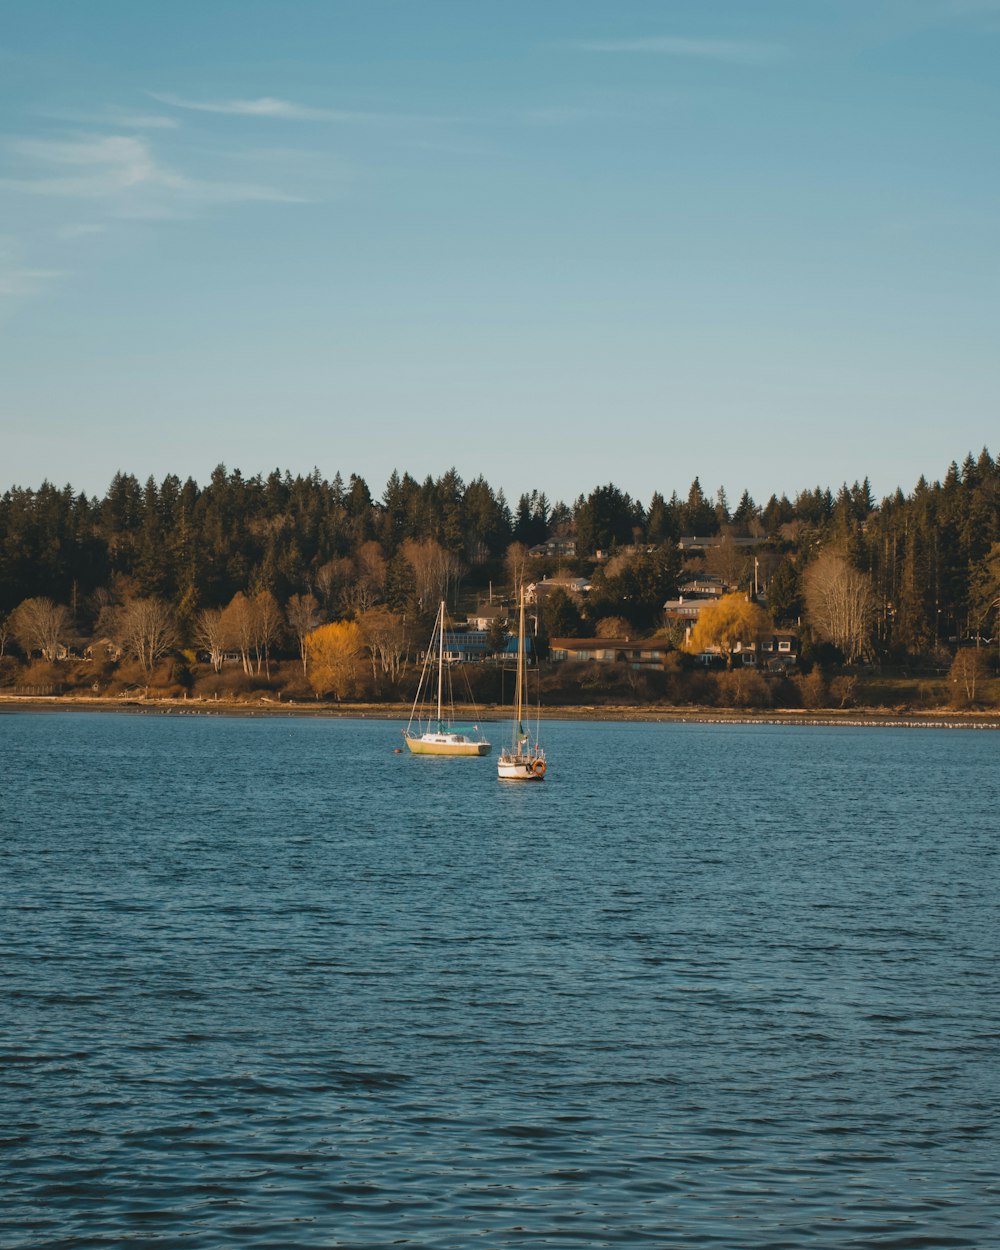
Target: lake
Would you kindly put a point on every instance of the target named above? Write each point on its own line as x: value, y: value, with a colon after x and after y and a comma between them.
x: 266, y: 983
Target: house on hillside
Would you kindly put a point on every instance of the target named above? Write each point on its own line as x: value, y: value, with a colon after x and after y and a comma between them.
x: 488, y: 613
x: 692, y: 599
x: 774, y: 652
x: 683, y: 610
x: 559, y: 548
x: 706, y: 586
x: 537, y: 592
x: 636, y: 654
x: 470, y: 646
x: 780, y: 650
x: 103, y: 649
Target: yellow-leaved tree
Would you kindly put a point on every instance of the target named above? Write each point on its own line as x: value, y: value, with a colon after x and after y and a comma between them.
x: 733, y: 620
x: 334, y: 655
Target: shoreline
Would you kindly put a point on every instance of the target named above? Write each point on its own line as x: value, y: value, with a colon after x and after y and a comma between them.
x: 935, y: 718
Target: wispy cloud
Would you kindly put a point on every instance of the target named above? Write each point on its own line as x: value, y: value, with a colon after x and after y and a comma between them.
x: 121, y: 173
x: 20, y: 280
x: 80, y: 229
x: 112, y: 117
x: 106, y: 163
x: 90, y: 176
x: 734, y: 51
x: 264, y: 106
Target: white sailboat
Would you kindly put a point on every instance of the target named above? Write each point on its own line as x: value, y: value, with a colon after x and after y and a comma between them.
x: 523, y: 760
x: 430, y: 734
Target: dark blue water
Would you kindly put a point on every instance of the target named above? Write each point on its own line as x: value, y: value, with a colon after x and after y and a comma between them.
x: 266, y: 983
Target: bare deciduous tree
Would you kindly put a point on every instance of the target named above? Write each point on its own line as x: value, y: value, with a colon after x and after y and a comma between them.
x: 844, y: 690
x: 369, y: 588
x: 266, y: 621
x: 968, y: 669
x: 840, y: 603
x: 435, y: 569
x: 147, y: 630
x: 238, y: 627
x: 334, y: 581
x: 210, y: 633
x: 422, y: 559
x: 303, y: 616
x: 384, y: 634
x: 39, y: 625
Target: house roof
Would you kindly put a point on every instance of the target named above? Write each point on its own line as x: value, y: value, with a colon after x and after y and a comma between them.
x: 610, y: 644
x: 687, y: 606
x: 706, y: 584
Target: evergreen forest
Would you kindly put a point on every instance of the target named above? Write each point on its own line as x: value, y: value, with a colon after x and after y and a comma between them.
x: 180, y: 574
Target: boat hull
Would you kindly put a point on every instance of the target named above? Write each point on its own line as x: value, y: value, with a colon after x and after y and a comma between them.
x: 447, y: 744
x: 519, y: 768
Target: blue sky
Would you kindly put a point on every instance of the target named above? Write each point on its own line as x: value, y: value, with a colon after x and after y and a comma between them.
x: 558, y: 243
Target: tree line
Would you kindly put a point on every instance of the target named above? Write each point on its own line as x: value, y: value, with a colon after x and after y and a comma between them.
x: 262, y: 559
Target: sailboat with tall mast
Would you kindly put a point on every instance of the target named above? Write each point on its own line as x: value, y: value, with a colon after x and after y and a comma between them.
x: 523, y: 760
x: 427, y: 733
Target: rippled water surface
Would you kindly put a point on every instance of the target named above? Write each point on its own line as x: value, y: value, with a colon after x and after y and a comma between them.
x: 267, y: 983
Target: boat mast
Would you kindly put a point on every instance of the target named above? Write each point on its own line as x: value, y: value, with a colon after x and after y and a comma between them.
x: 519, y: 683
x: 440, y: 658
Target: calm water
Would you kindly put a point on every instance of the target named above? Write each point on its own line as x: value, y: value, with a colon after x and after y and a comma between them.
x: 266, y: 983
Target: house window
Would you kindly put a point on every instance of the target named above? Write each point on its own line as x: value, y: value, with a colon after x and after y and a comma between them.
x: 785, y: 645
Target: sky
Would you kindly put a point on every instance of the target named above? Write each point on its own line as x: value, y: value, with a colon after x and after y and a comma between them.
x: 557, y: 243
